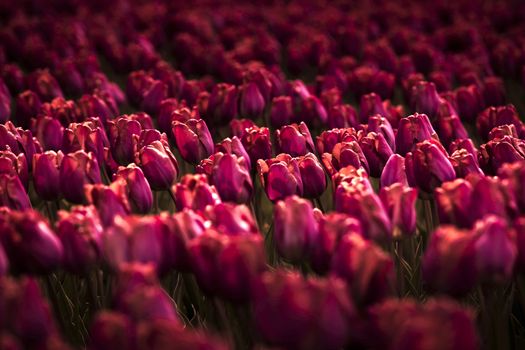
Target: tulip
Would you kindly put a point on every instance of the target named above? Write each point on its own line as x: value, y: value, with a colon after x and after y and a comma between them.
x: 166, y: 108
x: 341, y: 116
x: 281, y: 112
x: 257, y: 143
x: 112, y: 330
x: 425, y: 99
x: 464, y: 163
x: 78, y: 169
x: 11, y: 164
x: 501, y: 131
x: 381, y: 125
x: 65, y: 111
x: 44, y: 84
x: 138, y: 190
x: 326, y: 142
x: 377, y: 152
x: 496, y: 116
x: 495, y: 153
x: 80, y: 232
x: 28, y: 105
x: 280, y: 177
x: 294, y: 228
x: 449, y: 263
x: 146, y: 303
x: 294, y: 139
x: 231, y: 220
x: 312, y: 175
x: 30, y: 244
x: 193, y: 140
x: 10, y: 138
x: 89, y: 136
x: 123, y: 134
x: 394, y: 171
x: 93, y: 105
x: 13, y: 195
x: 399, y: 201
x: 496, y: 249
x: 371, y: 105
x: 4, y: 262
x: 111, y: 201
x: 511, y: 176
x: 332, y: 228
x: 251, y: 101
x: 494, y: 91
x: 470, y: 102
x: 194, y: 192
x: 413, y: 129
x: 428, y: 166
x: 448, y: 124
x: 345, y: 154
x: 454, y: 203
x: 312, y: 111
x: 46, y: 174
x: 234, y: 146
x: 153, y: 96
x: 158, y: 164
x: 222, y: 105
x: 49, y: 132
x: 369, y: 285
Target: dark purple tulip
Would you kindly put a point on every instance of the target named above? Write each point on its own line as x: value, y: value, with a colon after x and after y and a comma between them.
x: 358, y: 200
x: 326, y: 142
x: 65, y: 111
x: 512, y: 176
x: 370, y: 105
x: 281, y: 112
x: 44, y: 84
x: 94, y: 106
x: 30, y: 244
x: 448, y: 124
x: 193, y: 140
x: 424, y: 98
x: 12, y: 193
x: 13, y: 77
x: 111, y: 201
x: 312, y: 111
x: 411, y: 130
x: 137, y: 83
x: 500, y: 131
x: 394, y: 171
x: 194, y: 192
x: 496, y: 249
x: 10, y: 138
x: 166, y: 108
x: 87, y: 136
x: 312, y: 175
x: 80, y: 232
x: 138, y: 190
x: 294, y: 139
x: 332, y: 227
x: 133, y: 239
x: 78, y: 169
x: 12, y: 164
x: 27, y: 107
x: 341, y: 116
x: 449, y: 263
x: 123, y: 135
x: 466, y: 144
x: 469, y: 101
x: 222, y: 105
x: 496, y: 116
x: 251, y: 101
x: 239, y: 127
x: 495, y: 153
x: 464, y: 163
x: 428, y: 166
x: 234, y: 146
x: 381, y: 125
x: 49, y: 132
x: 4, y: 262
x: 376, y: 151
x: 494, y: 91
x: 112, y: 330
x: 158, y: 164
x: 280, y: 176
x: 400, y: 203
x: 294, y: 228
x: 369, y: 285
x: 257, y: 142
x: 231, y: 220
x: 153, y: 96
x: 344, y: 154
x: 46, y: 175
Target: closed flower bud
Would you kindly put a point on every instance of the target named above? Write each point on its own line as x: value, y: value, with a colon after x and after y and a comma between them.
x: 512, y: 176
x: 394, y: 171
x: 464, y: 163
x: 495, y: 153
x: 78, y: 169
x: 49, y: 132
x: 111, y: 201
x: 93, y: 105
x: 257, y: 142
x: 30, y: 244
x: 377, y: 152
x: 231, y: 220
x: 345, y: 154
x: 400, y: 203
x: 411, y: 130
x: 454, y: 203
x: 234, y: 146
x: 80, y: 232
x: 15, y: 165
x: 294, y: 228
x: 469, y: 101
x: 500, y: 131
x: 158, y: 164
x: 448, y: 124
x: 153, y: 96
x: 326, y: 142
x: 494, y: 91
x: 370, y: 285
x: 194, y: 192
x: 193, y: 140
x: 44, y: 84
x: 112, y: 330
x: 428, y: 166
x: 381, y: 125
x: 281, y: 112
x: 496, y: 116
x: 449, y: 263
x: 222, y: 104
x: 46, y: 175
x: 341, y: 116
x: 312, y: 175
x: 425, y: 99
x: 251, y: 102
x: 280, y: 177
x: 27, y: 107
x: 370, y: 105
x: 138, y: 190
x: 13, y: 195
x: 294, y: 139
x: 123, y: 134
x: 496, y: 249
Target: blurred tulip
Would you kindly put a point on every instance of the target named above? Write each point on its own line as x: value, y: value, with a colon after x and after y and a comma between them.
x: 158, y: 164
x: 313, y: 176
x: 111, y: 201
x: 222, y: 104
x: 49, y: 132
x: 193, y: 140
x: 400, y: 203
x: 470, y: 102
x: 251, y: 101
x: 194, y: 192
x: 496, y: 116
x: 464, y: 163
x: 257, y: 143
x: 78, y: 169
x: 12, y: 193
x: 281, y: 112
x: 112, y: 330
x: 394, y: 171
x: 495, y: 153
x: 232, y: 220
x: 138, y: 190
x: 234, y: 146
x: 27, y: 107
x: 425, y: 99
x: 381, y: 125
x: 46, y: 175
x: 377, y: 152
x: 326, y: 142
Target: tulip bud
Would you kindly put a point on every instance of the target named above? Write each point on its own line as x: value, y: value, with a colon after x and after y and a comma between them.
x: 193, y: 140
x: 511, y: 176
x: 469, y: 101
x: 146, y: 303
x: 448, y: 124
x: 29, y: 242
x: 428, y: 166
x: 496, y: 249
x: 449, y: 263
x: 280, y: 177
x: 49, y: 132
x: 78, y: 169
x: 12, y: 193
x: 222, y: 104
x: 495, y: 153
x: 413, y: 129
x: 496, y: 116
x: 454, y: 203
x: 14, y: 165
x: 257, y: 143
x: 138, y: 190
x: 123, y: 134
x: 370, y: 285
x: 281, y: 112
x: 425, y: 99
x: 65, y: 111
x: 44, y: 84
x: 394, y: 171
x: 27, y: 107
x: 158, y: 164
x: 153, y: 96
x: 111, y: 201
x: 328, y: 139
x: 252, y: 103
x: 494, y: 91
x: 312, y: 175
x: 500, y: 131
x: 93, y: 105
x: 234, y: 146
x: 341, y: 116
x: 371, y: 104
x: 399, y: 201
x: 239, y: 127
x: 464, y: 163
x: 377, y: 152
x: 89, y: 136
x: 344, y: 154
x: 232, y: 220
x: 294, y: 139
x: 4, y: 262
x: 312, y: 111
x: 294, y: 228
x: 80, y: 232
x: 46, y: 175
x: 194, y: 192
x: 381, y: 125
